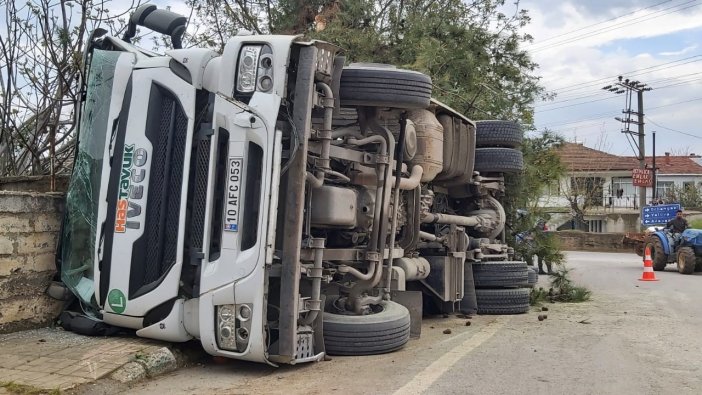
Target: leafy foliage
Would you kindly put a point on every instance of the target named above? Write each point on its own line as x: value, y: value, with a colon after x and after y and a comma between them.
x: 563, y: 289
x: 688, y: 196
x: 542, y: 168
x: 41, y: 50
x: 470, y: 49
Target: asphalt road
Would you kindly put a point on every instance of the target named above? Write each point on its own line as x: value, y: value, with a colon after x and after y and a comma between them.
x: 633, y: 337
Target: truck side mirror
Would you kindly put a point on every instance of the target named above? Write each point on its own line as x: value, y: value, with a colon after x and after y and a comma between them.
x: 160, y: 21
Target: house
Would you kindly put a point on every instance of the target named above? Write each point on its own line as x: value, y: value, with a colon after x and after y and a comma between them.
x: 599, y: 186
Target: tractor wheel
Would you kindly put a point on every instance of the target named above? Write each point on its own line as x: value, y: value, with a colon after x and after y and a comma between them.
x: 657, y: 254
x: 686, y: 260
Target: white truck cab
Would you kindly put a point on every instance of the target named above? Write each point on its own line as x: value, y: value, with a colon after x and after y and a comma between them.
x: 268, y: 201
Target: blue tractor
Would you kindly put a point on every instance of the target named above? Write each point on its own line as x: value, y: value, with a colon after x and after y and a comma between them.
x: 685, y: 250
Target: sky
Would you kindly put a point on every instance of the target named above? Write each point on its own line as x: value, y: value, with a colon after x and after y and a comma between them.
x: 582, y: 46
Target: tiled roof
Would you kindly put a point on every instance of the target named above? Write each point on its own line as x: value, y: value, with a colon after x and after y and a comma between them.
x: 577, y: 157
x: 675, y: 164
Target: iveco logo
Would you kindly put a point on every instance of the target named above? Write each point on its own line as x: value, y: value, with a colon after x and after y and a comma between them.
x: 130, y: 192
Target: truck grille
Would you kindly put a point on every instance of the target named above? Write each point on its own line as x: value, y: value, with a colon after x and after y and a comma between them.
x: 202, y: 162
x: 156, y: 251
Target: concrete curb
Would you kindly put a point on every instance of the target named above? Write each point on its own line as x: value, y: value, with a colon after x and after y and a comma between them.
x: 163, y: 360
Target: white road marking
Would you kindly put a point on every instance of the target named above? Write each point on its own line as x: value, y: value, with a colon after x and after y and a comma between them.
x: 424, y: 379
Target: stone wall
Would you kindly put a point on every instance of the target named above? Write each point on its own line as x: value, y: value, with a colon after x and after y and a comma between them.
x: 34, y: 183
x: 573, y: 240
x: 29, y: 227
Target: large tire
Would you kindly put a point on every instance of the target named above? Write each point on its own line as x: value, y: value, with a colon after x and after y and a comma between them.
x: 686, y: 260
x: 533, y: 277
x: 660, y: 260
x: 498, y: 160
x: 385, y: 331
x: 498, y: 134
x: 503, y: 301
x: 384, y: 86
x: 500, y: 274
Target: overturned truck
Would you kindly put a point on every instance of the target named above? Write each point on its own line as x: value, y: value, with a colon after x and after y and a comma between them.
x: 273, y: 203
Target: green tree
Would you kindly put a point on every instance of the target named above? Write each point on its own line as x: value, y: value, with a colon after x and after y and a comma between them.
x: 689, y: 196
x: 41, y: 47
x: 542, y: 168
x: 470, y: 49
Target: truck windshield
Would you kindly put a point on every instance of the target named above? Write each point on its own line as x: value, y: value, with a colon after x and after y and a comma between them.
x: 81, y: 218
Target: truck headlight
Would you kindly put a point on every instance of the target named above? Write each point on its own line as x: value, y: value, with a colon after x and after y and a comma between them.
x: 226, y: 327
x: 233, y: 326
x: 255, y: 69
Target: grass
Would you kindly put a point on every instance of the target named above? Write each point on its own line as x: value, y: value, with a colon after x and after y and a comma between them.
x: 538, y: 296
x: 22, y: 389
x: 562, y: 290
x: 696, y: 224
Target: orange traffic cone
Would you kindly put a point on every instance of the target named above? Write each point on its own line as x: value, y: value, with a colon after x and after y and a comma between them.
x: 648, y: 274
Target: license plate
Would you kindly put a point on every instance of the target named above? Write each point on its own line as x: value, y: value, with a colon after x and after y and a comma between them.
x: 231, y: 214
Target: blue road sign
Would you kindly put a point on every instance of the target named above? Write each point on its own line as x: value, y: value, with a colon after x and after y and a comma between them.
x: 660, y: 214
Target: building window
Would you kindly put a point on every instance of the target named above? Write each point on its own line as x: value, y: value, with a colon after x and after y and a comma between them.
x: 623, y: 187
x: 591, y: 189
x: 553, y: 189
x: 596, y: 226
x: 688, y: 185
x: 664, y: 188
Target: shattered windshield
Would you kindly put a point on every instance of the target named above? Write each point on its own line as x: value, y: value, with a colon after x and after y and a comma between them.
x: 80, y: 221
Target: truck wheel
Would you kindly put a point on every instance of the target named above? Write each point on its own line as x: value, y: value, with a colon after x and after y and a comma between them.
x: 503, y: 301
x: 384, y: 86
x: 498, y: 160
x: 498, y: 134
x: 686, y: 260
x: 660, y: 260
x: 500, y: 274
x: 533, y: 277
x: 386, y: 330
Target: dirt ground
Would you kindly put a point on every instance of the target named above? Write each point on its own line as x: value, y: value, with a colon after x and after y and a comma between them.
x: 633, y: 337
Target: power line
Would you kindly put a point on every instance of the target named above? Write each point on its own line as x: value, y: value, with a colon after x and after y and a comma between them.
x: 633, y: 73
x: 579, y: 97
x: 675, y: 104
x: 607, y: 115
x: 655, y: 81
x: 603, y: 22
x: 620, y: 25
x: 576, y: 104
x: 679, y: 83
x: 674, y: 130
x: 674, y: 81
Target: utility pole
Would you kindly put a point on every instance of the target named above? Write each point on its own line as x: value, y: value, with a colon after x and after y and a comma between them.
x: 629, y: 87
x: 655, y: 170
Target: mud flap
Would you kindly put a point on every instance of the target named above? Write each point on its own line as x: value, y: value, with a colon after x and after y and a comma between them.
x: 318, y: 326
x: 412, y: 300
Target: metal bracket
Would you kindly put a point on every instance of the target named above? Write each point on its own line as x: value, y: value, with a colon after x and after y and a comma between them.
x: 204, y: 132
x: 379, y: 158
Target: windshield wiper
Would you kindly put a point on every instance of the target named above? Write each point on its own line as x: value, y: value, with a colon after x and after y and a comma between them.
x: 113, y: 134
x: 100, y: 245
